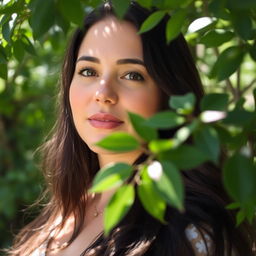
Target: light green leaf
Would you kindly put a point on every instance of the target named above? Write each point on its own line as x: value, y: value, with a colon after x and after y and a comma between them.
x: 157, y: 146
x: 170, y: 186
x: 150, y: 198
x: 214, y: 101
x: 174, y: 24
x: 145, y: 132
x: 165, y: 120
x: 184, y: 104
x: 118, y: 207
x: 151, y: 21
x: 110, y: 176
x: 119, y: 141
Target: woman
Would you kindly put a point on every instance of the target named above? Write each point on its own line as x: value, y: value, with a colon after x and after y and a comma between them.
x: 109, y: 70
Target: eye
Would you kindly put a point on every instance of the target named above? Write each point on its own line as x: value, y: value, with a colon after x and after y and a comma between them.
x: 134, y: 76
x: 87, y: 72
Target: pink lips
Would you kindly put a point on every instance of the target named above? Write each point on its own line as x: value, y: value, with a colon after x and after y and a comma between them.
x: 104, y: 121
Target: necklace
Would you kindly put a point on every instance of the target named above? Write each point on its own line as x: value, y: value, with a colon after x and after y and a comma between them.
x: 96, y: 211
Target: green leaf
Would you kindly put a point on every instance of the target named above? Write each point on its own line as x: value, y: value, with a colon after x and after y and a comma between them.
x: 3, y: 57
x: 184, y: 157
x: 227, y: 63
x: 145, y: 3
x: 170, y: 186
x: 18, y: 50
x: 184, y: 104
x: 150, y: 198
x: 207, y: 140
x: 239, y: 178
x: 118, y: 207
x: 215, y: 38
x: 110, y: 176
x: 121, y: 7
x: 165, y: 120
x: 71, y: 10
x: 6, y: 31
x: 239, y: 117
x: 176, y: 3
x: 151, y: 21
x: 28, y: 46
x: 3, y: 71
x: 242, y: 24
x: 214, y: 101
x: 252, y: 51
x: 233, y: 206
x: 145, y: 132
x: 157, y: 146
x: 238, y: 4
x: 119, y: 141
x: 42, y: 17
x: 174, y: 24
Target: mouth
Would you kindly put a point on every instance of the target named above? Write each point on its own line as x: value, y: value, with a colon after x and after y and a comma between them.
x: 104, y: 121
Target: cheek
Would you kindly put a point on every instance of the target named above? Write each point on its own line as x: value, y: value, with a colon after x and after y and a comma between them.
x: 145, y: 103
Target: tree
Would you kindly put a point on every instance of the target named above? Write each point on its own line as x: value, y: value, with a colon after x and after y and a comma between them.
x: 222, y: 36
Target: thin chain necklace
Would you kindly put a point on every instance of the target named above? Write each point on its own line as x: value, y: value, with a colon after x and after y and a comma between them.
x: 96, y: 211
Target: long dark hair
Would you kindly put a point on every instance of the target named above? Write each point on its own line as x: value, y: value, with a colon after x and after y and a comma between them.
x: 69, y: 167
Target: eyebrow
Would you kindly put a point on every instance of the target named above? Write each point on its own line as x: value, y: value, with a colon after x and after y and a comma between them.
x: 119, y: 62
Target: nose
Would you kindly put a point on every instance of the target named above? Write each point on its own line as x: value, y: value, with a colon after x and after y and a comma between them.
x: 105, y: 93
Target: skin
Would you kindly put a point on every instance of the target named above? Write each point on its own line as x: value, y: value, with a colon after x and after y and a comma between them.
x: 106, y: 86
x: 103, y: 85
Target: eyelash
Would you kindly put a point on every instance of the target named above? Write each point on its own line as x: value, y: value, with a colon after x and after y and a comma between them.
x: 133, y: 73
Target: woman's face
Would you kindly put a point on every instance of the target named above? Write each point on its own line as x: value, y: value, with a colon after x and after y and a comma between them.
x: 110, y: 79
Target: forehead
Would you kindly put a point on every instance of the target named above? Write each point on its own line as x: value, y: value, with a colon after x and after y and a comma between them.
x: 112, y: 38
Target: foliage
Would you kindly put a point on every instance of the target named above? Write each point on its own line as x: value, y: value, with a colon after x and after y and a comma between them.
x: 222, y: 36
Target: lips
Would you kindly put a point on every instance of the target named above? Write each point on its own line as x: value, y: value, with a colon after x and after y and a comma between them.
x: 104, y: 121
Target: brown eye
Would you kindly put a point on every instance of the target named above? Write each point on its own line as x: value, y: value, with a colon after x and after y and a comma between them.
x: 87, y: 72
x: 134, y: 76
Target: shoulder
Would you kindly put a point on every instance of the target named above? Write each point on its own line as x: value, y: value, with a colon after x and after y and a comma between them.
x: 200, y: 240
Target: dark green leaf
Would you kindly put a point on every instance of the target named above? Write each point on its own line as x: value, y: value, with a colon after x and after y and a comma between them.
x: 3, y: 57
x: 184, y: 104
x: 242, y: 24
x: 214, y: 101
x: 119, y: 141
x: 111, y: 176
x: 42, y: 17
x: 71, y: 10
x: 207, y: 140
x: 227, y: 63
x: 240, y: 178
x: 239, y: 117
x: 3, y: 71
x: 151, y: 21
x: 244, y: 4
x: 170, y: 185
x: 174, y: 24
x: 215, y: 38
x: 28, y: 46
x: 252, y: 51
x: 165, y: 120
x: 145, y: 132
x: 118, y: 207
x: 6, y: 30
x: 121, y: 7
x: 18, y: 50
x: 184, y: 157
